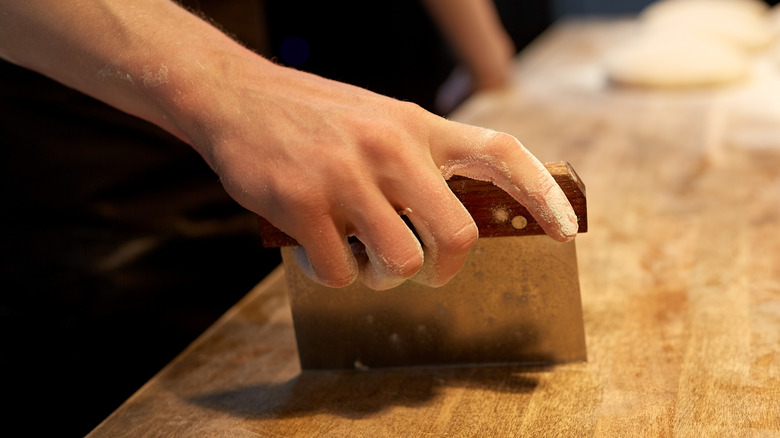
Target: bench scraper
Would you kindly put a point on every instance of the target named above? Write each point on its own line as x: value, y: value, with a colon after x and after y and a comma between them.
x: 515, y: 301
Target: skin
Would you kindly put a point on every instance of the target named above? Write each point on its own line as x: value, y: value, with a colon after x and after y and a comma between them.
x: 482, y: 44
x: 475, y: 31
x: 321, y: 160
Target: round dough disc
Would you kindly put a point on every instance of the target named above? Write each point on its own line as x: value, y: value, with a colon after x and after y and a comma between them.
x: 676, y: 60
x: 744, y: 23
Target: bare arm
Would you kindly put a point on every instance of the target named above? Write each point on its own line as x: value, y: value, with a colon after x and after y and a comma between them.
x: 139, y: 56
x: 475, y: 31
x: 319, y: 159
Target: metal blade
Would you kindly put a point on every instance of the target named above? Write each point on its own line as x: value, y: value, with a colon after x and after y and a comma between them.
x: 516, y: 301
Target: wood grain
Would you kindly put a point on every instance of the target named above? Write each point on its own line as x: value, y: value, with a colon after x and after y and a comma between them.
x: 483, y: 200
x: 678, y: 271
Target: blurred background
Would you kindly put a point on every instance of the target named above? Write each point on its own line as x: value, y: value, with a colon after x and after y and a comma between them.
x: 597, y: 7
x: 119, y: 246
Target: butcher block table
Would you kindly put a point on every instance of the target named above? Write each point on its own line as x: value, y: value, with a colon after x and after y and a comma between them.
x: 679, y: 273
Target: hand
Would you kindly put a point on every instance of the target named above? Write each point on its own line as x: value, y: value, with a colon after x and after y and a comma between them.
x: 319, y: 159
x: 322, y: 161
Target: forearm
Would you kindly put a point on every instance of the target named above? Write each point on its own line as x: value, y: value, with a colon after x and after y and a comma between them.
x: 321, y: 160
x: 474, y: 29
x: 150, y: 58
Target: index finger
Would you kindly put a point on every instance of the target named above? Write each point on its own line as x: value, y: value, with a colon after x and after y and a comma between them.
x: 500, y: 158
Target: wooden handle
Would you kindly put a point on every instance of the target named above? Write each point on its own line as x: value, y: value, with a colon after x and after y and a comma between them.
x: 493, y: 210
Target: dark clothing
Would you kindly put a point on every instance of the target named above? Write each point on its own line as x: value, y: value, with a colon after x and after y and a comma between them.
x: 119, y: 247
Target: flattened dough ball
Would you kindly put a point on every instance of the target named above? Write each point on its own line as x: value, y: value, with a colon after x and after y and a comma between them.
x: 744, y: 23
x: 677, y: 60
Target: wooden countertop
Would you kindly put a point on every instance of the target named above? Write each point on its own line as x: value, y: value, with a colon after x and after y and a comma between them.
x: 679, y: 272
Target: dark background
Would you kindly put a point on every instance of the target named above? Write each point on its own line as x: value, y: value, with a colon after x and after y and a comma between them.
x: 119, y: 246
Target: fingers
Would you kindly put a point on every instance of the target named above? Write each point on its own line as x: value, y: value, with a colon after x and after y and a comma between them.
x: 500, y: 158
x: 445, y: 228
x: 388, y: 252
x: 324, y: 254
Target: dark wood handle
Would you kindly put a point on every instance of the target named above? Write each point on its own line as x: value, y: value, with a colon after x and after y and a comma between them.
x: 493, y: 210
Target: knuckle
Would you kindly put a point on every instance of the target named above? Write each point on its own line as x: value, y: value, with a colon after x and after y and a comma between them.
x: 461, y: 241
x: 303, y: 202
x: 501, y: 143
x: 406, y: 264
x: 413, y: 109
